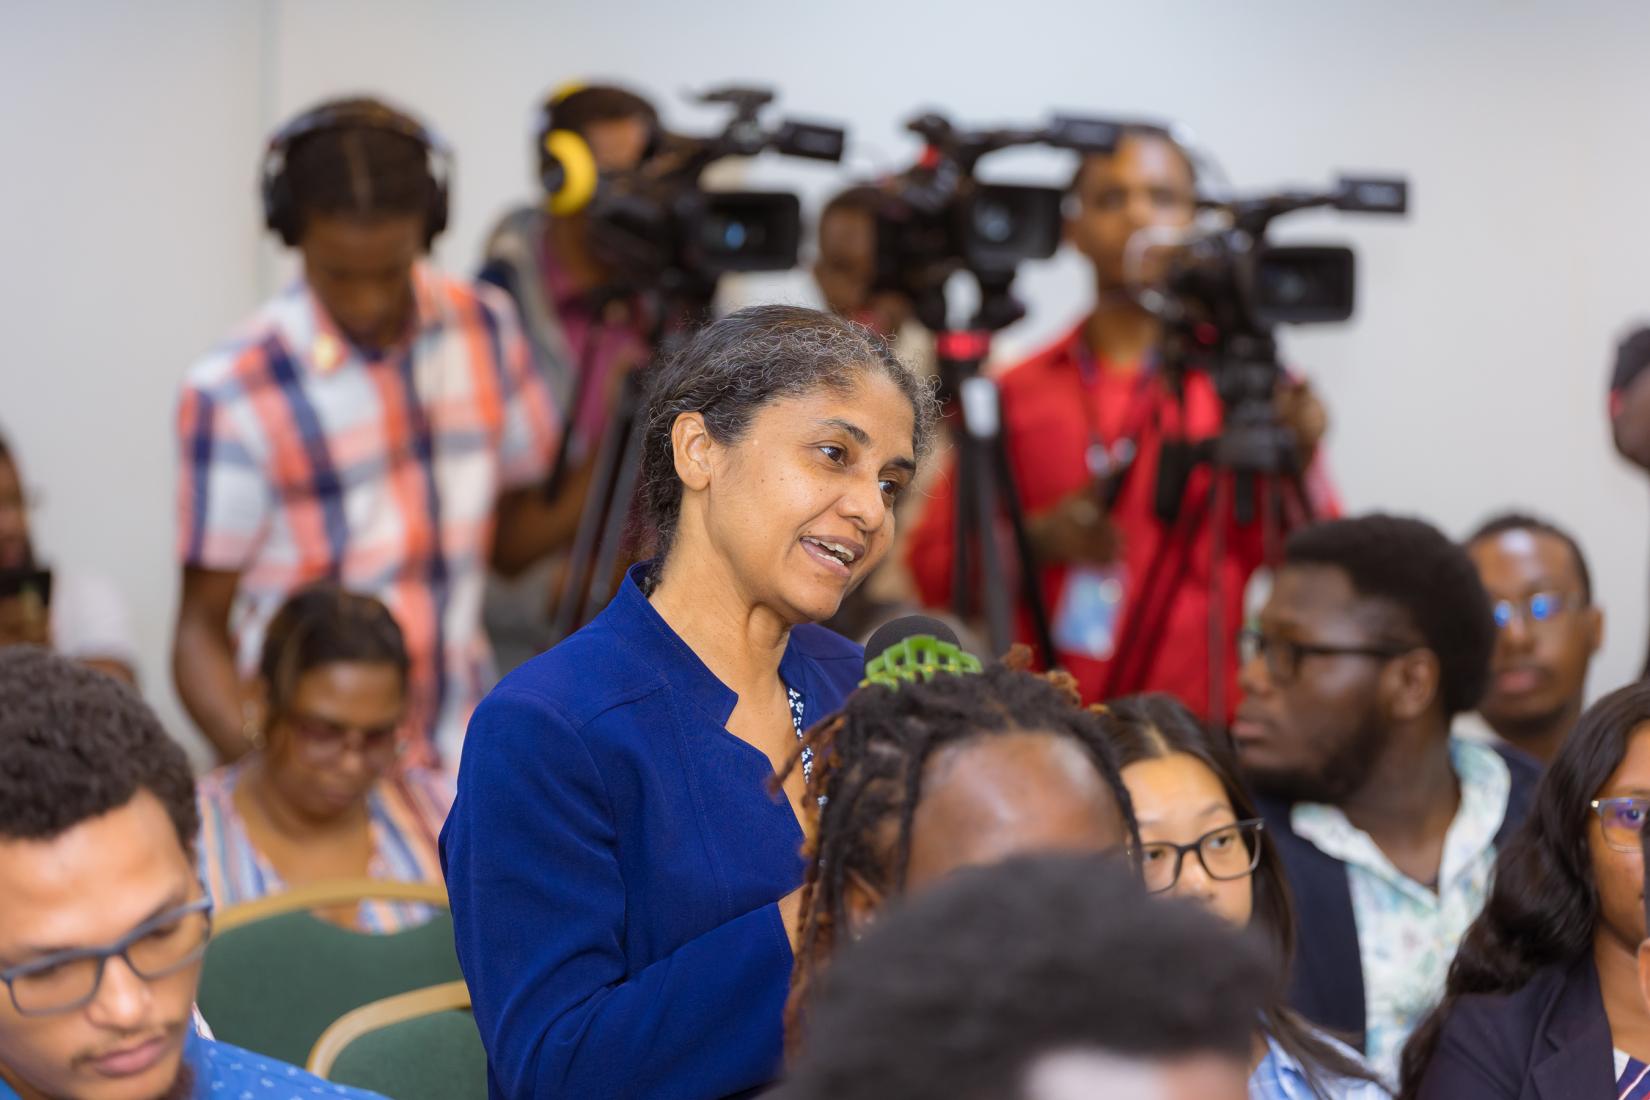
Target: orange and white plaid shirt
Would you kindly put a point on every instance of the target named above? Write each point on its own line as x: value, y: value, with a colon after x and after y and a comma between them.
x: 301, y: 460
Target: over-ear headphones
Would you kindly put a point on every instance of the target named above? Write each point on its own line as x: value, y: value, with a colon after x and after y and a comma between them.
x: 280, y: 205
x: 567, y: 167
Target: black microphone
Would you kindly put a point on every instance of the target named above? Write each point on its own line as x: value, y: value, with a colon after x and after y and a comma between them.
x: 914, y: 647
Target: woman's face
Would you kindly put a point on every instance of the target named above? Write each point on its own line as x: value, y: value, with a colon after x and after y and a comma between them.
x: 335, y: 738
x: 1177, y: 800
x: 802, y: 506
x: 1620, y: 874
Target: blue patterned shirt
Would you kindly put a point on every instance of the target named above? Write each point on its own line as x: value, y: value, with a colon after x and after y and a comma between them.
x: 1280, y: 1077
x: 223, y: 1072
x: 1408, y: 933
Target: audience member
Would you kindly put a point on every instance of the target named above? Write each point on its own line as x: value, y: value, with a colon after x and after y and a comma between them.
x: 1042, y: 978
x: 909, y: 784
x: 1086, y: 422
x: 1630, y: 408
x: 1544, y: 996
x: 102, y: 921
x: 614, y: 795
x: 1547, y: 630
x: 319, y: 797
x: 1376, y: 636
x: 1202, y: 839
x: 377, y: 424
x: 80, y: 615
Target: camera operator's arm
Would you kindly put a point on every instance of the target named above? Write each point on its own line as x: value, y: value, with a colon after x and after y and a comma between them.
x: 1076, y: 529
x: 530, y: 525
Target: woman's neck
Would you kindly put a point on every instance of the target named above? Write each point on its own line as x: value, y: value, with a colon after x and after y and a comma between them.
x: 737, y: 638
x: 1618, y: 982
x: 283, y: 819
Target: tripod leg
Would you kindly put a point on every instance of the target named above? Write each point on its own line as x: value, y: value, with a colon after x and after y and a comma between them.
x: 609, y: 458
x: 963, y: 521
x: 1031, y: 588
x: 1151, y: 603
x: 618, y: 515
x: 999, y: 610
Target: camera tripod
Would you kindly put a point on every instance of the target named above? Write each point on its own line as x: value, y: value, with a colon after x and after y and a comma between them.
x: 1254, y: 476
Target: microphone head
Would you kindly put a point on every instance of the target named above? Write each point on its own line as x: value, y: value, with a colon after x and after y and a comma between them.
x: 914, y: 647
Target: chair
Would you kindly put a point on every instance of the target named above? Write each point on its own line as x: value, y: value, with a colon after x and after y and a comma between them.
x: 421, y: 1045
x: 275, y: 975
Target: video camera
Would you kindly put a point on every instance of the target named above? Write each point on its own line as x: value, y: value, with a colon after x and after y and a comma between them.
x: 937, y: 218
x: 657, y: 227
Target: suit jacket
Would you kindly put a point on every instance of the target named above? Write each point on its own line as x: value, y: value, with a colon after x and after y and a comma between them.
x: 1548, y: 1041
x: 1327, y: 982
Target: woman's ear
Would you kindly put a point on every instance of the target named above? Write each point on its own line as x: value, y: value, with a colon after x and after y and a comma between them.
x: 691, y: 444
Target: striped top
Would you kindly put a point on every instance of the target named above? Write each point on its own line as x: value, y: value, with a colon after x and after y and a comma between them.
x: 301, y: 459
x: 1632, y: 1078
x: 406, y: 812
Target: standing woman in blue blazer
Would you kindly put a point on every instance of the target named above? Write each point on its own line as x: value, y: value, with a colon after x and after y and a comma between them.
x: 624, y: 887
x: 1543, y: 999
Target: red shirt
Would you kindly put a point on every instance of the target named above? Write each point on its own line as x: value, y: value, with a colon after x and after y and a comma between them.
x: 1054, y: 405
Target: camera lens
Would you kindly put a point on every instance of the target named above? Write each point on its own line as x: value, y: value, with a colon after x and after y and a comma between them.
x: 994, y: 222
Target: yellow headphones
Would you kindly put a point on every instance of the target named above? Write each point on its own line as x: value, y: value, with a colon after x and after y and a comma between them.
x: 567, y: 167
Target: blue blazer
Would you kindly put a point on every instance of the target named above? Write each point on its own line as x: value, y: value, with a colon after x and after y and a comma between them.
x: 614, y: 860
x: 1326, y: 982
x: 1547, y: 1041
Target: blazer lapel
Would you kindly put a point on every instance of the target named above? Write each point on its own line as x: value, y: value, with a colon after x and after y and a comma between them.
x: 1580, y: 1063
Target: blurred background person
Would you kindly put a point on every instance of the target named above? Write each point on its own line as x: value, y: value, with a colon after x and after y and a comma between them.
x: 616, y: 792
x: 1376, y: 637
x: 587, y: 326
x: 320, y: 797
x: 912, y: 783
x: 1544, y: 996
x: 1547, y: 630
x: 1630, y: 408
x: 377, y: 423
x: 1202, y: 839
x: 80, y: 615
x: 1048, y: 977
x: 1089, y: 416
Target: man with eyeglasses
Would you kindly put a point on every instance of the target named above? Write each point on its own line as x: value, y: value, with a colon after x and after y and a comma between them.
x: 1547, y: 630
x: 103, y: 923
x: 1377, y: 635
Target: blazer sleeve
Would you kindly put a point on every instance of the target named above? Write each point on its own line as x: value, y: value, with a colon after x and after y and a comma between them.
x: 538, y: 905
x: 1475, y: 1057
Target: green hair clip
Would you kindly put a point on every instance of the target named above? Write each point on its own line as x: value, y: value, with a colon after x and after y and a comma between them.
x: 918, y: 656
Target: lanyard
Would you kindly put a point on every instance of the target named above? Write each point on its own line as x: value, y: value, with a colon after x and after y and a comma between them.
x: 1109, y: 460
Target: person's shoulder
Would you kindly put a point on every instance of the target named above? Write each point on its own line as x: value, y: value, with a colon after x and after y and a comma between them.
x: 1503, y: 1026
x: 229, y: 1066
x: 1031, y: 369
x: 244, y: 354
x: 520, y: 226
x: 1523, y: 769
x: 588, y: 674
x: 460, y: 296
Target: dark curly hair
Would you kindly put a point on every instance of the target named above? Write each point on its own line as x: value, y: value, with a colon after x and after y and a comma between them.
x: 1152, y: 727
x: 76, y: 744
x: 1543, y: 906
x: 1413, y: 566
x: 866, y: 781
x: 736, y: 365
x: 1518, y: 521
x: 957, y: 994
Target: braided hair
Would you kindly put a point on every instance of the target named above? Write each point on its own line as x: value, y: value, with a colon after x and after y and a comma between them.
x: 867, y: 775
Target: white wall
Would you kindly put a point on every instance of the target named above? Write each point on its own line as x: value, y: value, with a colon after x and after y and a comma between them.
x: 1473, y: 377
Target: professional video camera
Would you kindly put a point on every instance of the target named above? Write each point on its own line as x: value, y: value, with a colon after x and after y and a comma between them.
x: 938, y: 219
x: 1222, y: 292
x: 660, y: 229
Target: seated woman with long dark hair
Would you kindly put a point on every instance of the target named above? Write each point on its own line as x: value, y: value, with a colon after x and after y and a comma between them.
x: 1543, y: 998
x: 1202, y: 838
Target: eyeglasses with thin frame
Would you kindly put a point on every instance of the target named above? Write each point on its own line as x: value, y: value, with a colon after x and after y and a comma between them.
x: 1229, y: 852
x: 323, y: 742
x: 1622, y: 819
x: 66, y: 980
x: 1283, y: 656
x: 1540, y: 607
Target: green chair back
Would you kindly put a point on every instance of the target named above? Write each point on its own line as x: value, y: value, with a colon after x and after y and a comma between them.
x: 434, y: 1057
x: 274, y: 985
